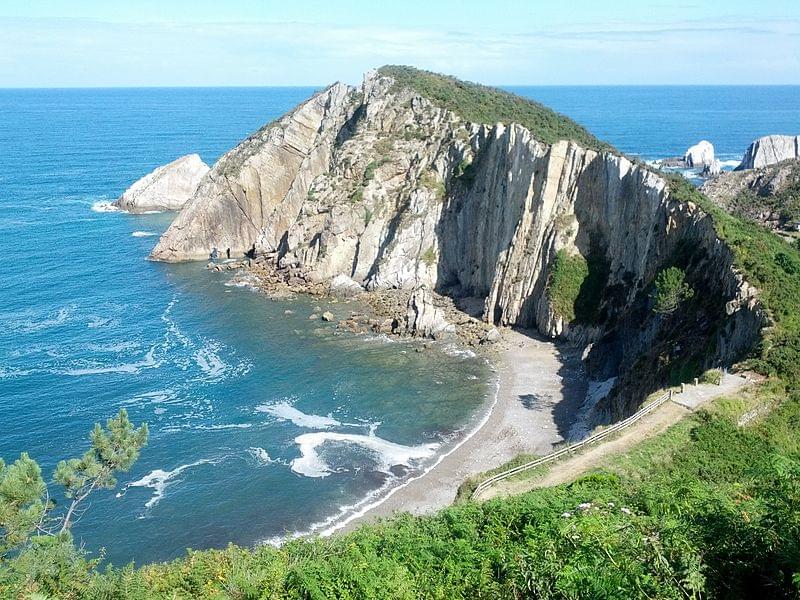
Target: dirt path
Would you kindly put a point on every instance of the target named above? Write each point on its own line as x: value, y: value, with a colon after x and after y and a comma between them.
x: 595, y: 456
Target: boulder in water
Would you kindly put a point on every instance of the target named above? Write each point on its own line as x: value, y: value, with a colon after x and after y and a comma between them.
x: 169, y: 187
x: 699, y: 155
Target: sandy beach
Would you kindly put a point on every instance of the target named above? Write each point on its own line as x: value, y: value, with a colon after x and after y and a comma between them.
x: 540, y: 386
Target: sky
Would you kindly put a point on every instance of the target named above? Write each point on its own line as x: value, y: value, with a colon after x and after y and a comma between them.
x: 111, y: 43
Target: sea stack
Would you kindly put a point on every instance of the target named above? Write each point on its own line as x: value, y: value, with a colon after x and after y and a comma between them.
x: 168, y: 187
x: 700, y: 155
x: 769, y: 150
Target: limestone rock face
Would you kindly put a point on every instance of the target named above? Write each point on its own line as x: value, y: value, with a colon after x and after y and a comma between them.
x: 424, y: 317
x: 255, y: 191
x: 769, y: 150
x: 380, y: 185
x: 699, y: 155
x: 169, y: 187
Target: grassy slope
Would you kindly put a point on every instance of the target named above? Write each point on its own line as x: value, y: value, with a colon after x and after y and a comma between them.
x: 483, y: 104
x: 705, y: 507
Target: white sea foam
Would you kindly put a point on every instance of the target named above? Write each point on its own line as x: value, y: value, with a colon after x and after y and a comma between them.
x: 98, y: 321
x: 261, y: 456
x: 210, y: 363
x: 455, y: 351
x: 103, y: 206
x: 245, y: 280
x: 730, y: 163
x: 223, y: 426
x: 348, y: 513
x: 287, y: 412
x: 147, y: 362
x: 143, y: 234
x: 12, y: 373
x: 48, y: 321
x: 158, y: 480
x: 387, y: 454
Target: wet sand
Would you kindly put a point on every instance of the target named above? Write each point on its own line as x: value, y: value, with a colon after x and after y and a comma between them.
x: 540, y: 386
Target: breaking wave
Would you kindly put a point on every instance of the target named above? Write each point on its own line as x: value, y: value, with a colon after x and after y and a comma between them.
x: 158, y: 480
x: 384, y: 454
x: 287, y: 412
x: 104, y: 206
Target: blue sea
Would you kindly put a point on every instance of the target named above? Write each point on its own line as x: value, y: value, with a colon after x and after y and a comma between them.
x: 262, y: 422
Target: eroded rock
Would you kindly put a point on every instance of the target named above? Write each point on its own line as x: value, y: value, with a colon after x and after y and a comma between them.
x: 168, y: 187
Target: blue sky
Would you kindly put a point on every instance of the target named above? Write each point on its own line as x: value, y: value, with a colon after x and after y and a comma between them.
x: 56, y: 43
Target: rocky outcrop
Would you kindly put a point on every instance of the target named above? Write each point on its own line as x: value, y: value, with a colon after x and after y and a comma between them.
x: 712, y: 170
x: 699, y: 155
x: 255, y: 191
x: 769, y: 150
x: 764, y: 194
x: 424, y: 317
x: 169, y: 187
x: 381, y: 185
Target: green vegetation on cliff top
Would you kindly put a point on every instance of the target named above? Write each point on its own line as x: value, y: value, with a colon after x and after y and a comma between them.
x: 483, y: 104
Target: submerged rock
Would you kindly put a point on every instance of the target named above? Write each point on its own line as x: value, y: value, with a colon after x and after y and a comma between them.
x: 769, y: 150
x: 169, y: 187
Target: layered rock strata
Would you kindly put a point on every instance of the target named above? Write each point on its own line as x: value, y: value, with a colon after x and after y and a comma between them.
x: 769, y: 150
x: 381, y: 185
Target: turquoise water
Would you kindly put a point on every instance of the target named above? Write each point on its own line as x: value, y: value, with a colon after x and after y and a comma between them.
x: 225, y: 379
x: 261, y: 422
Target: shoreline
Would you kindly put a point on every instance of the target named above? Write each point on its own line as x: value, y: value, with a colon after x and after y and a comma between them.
x: 537, y: 383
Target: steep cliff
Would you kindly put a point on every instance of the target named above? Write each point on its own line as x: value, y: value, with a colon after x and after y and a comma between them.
x: 393, y: 185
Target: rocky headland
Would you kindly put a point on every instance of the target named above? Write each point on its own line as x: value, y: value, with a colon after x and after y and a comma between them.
x: 460, y: 207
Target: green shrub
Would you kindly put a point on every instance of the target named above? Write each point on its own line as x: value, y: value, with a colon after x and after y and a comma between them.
x: 431, y: 181
x: 566, y: 278
x: 670, y: 290
x: 481, y: 104
x: 429, y: 257
x: 712, y: 376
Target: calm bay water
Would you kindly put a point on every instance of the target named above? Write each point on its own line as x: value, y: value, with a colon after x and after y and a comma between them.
x: 261, y: 422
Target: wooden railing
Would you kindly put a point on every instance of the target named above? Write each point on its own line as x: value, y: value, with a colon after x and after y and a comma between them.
x: 487, y: 483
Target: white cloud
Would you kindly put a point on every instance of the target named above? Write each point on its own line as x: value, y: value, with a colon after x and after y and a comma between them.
x: 87, y: 52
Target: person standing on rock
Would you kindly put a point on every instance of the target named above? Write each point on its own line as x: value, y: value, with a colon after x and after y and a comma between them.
x: 214, y: 254
x: 228, y: 253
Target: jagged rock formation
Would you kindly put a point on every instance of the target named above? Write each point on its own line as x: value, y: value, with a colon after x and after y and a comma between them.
x: 168, y: 187
x: 769, y: 195
x: 699, y: 155
x: 712, y: 170
x: 769, y: 150
x: 381, y: 184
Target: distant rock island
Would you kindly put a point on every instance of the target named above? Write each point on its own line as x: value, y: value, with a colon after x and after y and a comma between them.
x: 430, y: 188
x: 769, y: 150
x: 168, y: 187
